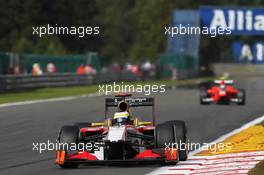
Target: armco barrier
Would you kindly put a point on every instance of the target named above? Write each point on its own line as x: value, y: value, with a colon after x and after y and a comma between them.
x: 29, y: 82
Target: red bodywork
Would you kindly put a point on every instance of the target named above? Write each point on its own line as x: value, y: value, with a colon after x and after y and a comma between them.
x: 217, y: 94
x: 146, y: 155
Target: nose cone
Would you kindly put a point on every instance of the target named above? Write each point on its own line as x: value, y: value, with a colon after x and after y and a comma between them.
x: 116, y: 133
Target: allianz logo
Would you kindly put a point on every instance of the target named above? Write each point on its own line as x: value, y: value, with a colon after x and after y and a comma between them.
x: 247, y: 52
x: 237, y: 20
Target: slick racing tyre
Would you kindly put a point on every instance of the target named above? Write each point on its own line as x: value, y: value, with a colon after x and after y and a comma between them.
x: 241, y: 95
x: 203, y: 95
x: 180, y: 130
x: 164, y: 135
x: 69, y: 135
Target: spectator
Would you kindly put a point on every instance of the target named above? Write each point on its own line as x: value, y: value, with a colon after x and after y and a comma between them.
x: 117, y: 68
x: 36, y: 70
x: 128, y: 67
x: 16, y: 70
x: 146, y: 68
x: 88, y: 69
x: 51, y: 68
x: 135, y: 69
x: 80, y: 70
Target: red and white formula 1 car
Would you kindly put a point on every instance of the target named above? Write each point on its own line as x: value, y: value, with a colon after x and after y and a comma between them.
x: 122, y: 138
x: 222, y: 92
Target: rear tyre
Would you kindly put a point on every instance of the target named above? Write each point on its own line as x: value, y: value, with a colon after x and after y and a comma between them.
x: 69, y: 135
x: 180, y: 130
x: 203, y: 95
x: 241, y: 95
x: 164, y: 135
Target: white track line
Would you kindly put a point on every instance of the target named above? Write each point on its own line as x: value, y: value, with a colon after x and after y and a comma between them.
x: 220, y: 139
x: 48, y: 100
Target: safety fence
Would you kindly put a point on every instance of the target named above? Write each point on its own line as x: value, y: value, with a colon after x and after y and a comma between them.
x: 23, y: 63
x: 29, y: 82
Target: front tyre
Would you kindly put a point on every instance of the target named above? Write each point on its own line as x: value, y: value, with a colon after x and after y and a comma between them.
x: 241, y: 95
x: 180, y: 130
x: 68, y: 135
x: 164, y: 135
x: 203, y: 95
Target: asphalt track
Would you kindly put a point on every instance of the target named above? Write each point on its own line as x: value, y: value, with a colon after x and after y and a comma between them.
x: 22, y: 125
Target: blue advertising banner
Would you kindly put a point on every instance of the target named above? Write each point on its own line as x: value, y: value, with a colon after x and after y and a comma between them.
x: 240, y: 20
x: 258, y: 52
x: 248, y: 53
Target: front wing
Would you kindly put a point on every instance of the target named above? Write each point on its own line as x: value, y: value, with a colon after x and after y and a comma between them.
x: 155, y: 156
x: 212, y: 100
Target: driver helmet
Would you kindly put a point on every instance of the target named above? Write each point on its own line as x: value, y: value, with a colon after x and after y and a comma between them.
x: 121, y: 118
x: 222, y: 78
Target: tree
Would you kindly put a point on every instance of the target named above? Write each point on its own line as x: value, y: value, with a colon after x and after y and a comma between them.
x: 117, y: 27
x: 129, y: 29
x: 150, y: 40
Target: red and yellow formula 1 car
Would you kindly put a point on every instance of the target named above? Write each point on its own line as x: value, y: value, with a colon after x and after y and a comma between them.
x: 122, y: 138
x: 222, y: 92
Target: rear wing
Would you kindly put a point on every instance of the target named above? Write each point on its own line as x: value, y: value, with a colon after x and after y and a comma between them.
x: 225, y: 81
x: 132, y: 102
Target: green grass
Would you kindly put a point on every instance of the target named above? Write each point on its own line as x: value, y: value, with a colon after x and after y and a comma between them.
x: 47, y: 93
